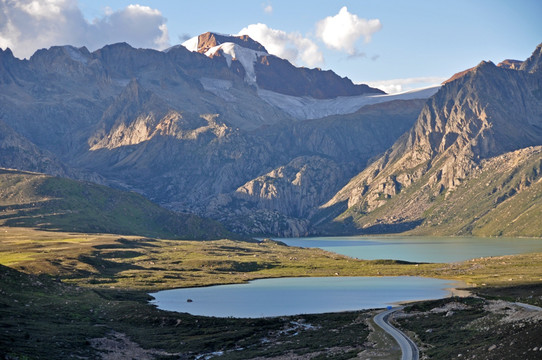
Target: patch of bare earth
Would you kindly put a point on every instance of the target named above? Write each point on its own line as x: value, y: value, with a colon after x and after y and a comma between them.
x: 117, y: 346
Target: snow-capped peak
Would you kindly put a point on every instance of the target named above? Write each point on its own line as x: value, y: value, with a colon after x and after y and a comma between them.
x: 191, y: 44
x: 204, y: 42
x: 247, y: 57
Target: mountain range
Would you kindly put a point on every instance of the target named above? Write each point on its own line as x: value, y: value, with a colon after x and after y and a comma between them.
x: 471, y: 164
x: 220, y: 128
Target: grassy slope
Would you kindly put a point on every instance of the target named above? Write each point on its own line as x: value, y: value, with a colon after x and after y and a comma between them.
x: 502, y: 198
x: 45, y: 319
x: 44, y: 202
x: 151, y: 264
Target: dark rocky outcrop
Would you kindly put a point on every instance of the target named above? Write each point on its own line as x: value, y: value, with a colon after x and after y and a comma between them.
x: 272, y: 71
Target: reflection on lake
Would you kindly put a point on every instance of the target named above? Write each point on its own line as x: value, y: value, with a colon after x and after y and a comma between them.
x: 291, y: 296
x: 419, y: 249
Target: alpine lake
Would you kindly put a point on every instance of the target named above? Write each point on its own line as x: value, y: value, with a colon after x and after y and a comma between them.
x: 292, y: 296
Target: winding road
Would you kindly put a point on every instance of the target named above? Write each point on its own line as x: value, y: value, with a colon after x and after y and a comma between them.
x: 528, y: 306
x: 408, y: 347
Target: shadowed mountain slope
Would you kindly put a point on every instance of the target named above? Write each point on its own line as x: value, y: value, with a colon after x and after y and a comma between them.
x: 53, y: 203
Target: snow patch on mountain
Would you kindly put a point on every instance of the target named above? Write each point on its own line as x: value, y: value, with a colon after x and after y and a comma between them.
x: 191, y: 44
x: 246, y: 57
x: 75, y: 54
x: 305, y: 108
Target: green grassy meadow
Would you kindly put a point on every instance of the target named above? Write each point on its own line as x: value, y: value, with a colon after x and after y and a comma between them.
x: 66, y: 294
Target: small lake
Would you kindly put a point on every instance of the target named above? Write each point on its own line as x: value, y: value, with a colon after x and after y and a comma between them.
x: 419, y: 249
x: 293, y: 296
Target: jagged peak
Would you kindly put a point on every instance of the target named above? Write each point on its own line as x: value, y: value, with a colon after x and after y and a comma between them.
x: 7, y: 53
x: 118, y: 45
x: 457, y: 76
x: 77, y: 54
x: 202, y: 43
x: 115, y: 47
x: 485, y: 67
x: 480, y: 67
x: 485, y: 64
x: 80, y: 54
x: 534, y: 62
x: 510, y: 64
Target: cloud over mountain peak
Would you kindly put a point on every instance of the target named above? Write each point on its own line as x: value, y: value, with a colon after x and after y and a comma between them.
x: 28, y: 25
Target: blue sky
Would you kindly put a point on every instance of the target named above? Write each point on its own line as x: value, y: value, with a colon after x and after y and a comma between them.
x: 396, y: 44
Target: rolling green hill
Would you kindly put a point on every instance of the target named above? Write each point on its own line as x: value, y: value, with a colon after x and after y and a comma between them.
x: 53, y: 203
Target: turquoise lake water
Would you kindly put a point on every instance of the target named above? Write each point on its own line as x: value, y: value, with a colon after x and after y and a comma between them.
x: 292, y: 296
x: 419, y: 249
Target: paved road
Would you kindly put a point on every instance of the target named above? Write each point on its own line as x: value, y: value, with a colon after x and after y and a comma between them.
x: 529, y: 306
x: 408, y: 347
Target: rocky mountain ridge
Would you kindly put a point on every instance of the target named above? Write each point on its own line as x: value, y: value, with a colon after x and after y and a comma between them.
x: 474, y: 120
x: 188, y: 132
x: 204, y: 42
x: 268, y: 72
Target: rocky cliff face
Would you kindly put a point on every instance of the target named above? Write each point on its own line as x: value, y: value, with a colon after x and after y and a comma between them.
x: 270, y: 72
x: 188, y: 131
x: 202, y: 43
x: 17, y: 152
x: 481, y: 114
x: 534, y: 63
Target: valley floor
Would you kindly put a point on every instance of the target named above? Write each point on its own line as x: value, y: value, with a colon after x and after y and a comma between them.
x: 78, y: 295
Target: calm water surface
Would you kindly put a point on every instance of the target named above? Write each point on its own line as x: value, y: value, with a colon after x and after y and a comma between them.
x: 292, y: 296
x: 419, y: 249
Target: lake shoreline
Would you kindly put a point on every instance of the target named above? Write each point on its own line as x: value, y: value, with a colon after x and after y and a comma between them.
x: 305, y: 295
x: 418, y: 249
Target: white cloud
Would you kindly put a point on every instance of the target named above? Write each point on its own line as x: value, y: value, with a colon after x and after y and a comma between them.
x: 268, y: 8
x: 140, y: 26
x: 342, y: 31
x: 42, y: 9
x: 28, y: 25
x: 393, y: 86
x: 291, y: 46
x: 108, y: 11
